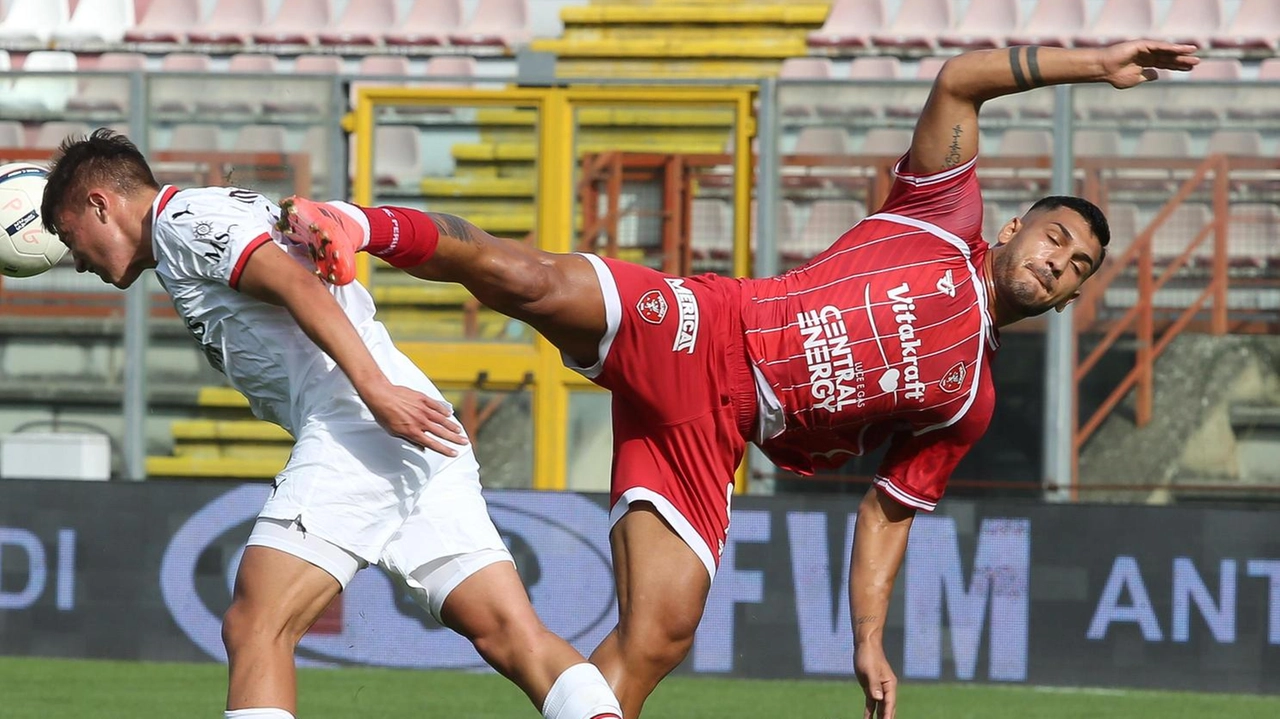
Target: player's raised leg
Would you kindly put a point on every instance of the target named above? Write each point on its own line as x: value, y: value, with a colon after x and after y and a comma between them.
x: 558, y: 295
x: 277, y: 598
x: 662, y: 588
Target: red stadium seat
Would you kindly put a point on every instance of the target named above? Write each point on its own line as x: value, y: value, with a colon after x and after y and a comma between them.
x: 298, y: 22
x: 867, y: 103
x: 231, y: 22
x: 850, y: 24
x: 1053, y: 22
x: 397, y: 156
x: 165, y: 21
x: 428, y: 22
x: 499, y: 23
x: 1191, y: 22
x: 1252, y: 229
x: 985, y: 25
x: 108, y: 94
x: 917, y: 25
x: 1119, y: 20
x: 828, y: 220
x: 1256, y: 26
x: 364, y: 23
x: 261, y: 138
x: 51, y: 134
x: 178, y: 96
x: 194, y: 138
x: 797, y: 102
x: 892, y: 141
x: 711, y: 228
x: 97, y: 21
x: 1096, y: 143
x: 51, y: 94
x: 232, y: 97
x: 1205, y: 106
x: 451, y: 66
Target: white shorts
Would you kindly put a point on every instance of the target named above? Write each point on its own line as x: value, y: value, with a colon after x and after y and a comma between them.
x: 353, y: 495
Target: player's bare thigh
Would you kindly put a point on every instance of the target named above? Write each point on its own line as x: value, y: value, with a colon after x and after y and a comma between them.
x: 558, y: 295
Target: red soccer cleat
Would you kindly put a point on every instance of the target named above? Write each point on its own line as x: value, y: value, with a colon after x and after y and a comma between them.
x: 332, y: 238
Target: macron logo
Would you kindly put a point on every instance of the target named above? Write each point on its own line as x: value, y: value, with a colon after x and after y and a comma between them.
x: 947, y: 285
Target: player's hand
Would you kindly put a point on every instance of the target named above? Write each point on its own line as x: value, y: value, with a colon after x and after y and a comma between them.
x: 1132, y: 63
x: 878, y: 681
x: 414, y: 417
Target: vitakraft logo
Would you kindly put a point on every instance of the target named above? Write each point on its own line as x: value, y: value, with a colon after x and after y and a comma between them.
x: 904, y: 307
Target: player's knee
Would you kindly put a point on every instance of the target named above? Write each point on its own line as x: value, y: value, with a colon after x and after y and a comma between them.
x: 244, y: 625
x: 502, y: 642
x: 660, y: 648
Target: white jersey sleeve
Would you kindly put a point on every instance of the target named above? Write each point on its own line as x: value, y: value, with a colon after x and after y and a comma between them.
x: 210, y: 233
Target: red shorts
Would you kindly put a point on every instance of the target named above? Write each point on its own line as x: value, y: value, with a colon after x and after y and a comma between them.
x: 683, y: 396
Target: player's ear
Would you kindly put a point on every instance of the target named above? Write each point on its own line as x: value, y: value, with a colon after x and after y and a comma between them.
x: 1009, y: 230
x: 98, y: 204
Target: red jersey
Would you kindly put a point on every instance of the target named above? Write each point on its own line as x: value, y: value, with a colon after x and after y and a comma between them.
x: 884, y: 336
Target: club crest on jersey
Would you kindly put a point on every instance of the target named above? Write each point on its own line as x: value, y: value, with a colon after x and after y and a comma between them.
x: 652, y: 307
x: 687, y: 304
x: 947, y: 285
x: 953, y: 380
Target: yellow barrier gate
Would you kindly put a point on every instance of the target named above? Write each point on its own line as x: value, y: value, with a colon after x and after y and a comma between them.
x: 472, y: 350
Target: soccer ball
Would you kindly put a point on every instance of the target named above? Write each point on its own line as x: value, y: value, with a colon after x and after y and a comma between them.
x: 26, y: 248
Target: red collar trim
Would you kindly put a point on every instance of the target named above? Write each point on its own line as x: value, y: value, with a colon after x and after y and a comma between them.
x: 165, y: 195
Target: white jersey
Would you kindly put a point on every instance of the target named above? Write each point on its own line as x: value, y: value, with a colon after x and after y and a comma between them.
x: 347, y: 480
x: 202, y: 239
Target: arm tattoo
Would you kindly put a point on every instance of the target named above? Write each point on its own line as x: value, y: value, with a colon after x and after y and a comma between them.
x: 1015, y: 64
x: 1033, y: 65
x: 865, y: 619
x: 953, y: 152
x: 453, y: 226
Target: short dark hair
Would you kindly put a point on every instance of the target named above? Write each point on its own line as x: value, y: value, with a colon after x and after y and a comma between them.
x: 104, y: 157
x: 1089, y: 211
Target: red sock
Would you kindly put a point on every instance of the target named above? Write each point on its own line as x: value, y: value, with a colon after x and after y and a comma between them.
x: 401, y: 236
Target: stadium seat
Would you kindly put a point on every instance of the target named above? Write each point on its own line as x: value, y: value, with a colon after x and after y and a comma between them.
x: 917, y: 25
x: 784, y: 226
x: 51, y: 134
x: 1164, y: 144
x: 1122, y: 218
x: 49, y: 94
x: 993, y: 218
x: 194, y: 138
x: 498, y: 23
x: 868, y: 102
x: 929, y: 67
x: 711, y: 228
x: 1053, y: 22
x: 451, y: 66
x: 108, y: 94
x: 1256, y: 26
x: 165, y: 21
x: 1259, y: 105
x: 828, y: 220
x: 428, y: 22
x: 178, y: 95
x: 1119, y: 20
x: 397, y: 156
x: 363, y: 23
x: 300, y: 98
x: 315, y: 143
x: 822, y: 141
x: 1240, y: 143
x: 261, y: 138
x: 381, y: 66
x: 984, y: 25
x: 318, y: 65
x: 893, y: 141
x: 231, y: 22
x: 1192, y: 22
x: 33, y: 21
x: 1096, y: 143
x: 850, y: 24
x: 1252, y: 229
x: 236, y: 97
x: 1021, y: 142
x: 97, y: 21
x: 12, y: 135
x: 1208, y: 105
x: 298, y: 22
x: 797, y: 101
x: 1181, y: 227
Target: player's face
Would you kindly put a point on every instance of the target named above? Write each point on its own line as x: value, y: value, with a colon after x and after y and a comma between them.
x: 98, y: 244
x: 1043, y: 259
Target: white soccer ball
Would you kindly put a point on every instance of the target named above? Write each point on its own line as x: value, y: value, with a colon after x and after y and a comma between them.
x: 26, y: 248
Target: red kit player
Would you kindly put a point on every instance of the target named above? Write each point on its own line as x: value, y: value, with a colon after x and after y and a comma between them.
x: 887, y: 336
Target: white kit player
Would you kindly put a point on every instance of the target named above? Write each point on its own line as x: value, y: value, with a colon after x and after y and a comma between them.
x: 380, y: 472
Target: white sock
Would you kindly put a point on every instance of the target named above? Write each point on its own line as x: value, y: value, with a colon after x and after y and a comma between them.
x: 354, y: 213
x: 581, y: 693
x: 258, y: 714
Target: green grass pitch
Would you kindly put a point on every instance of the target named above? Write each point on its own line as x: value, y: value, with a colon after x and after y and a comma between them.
x: 44, y: 688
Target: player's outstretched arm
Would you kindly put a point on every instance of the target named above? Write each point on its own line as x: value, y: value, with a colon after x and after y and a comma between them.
x: 273, y: 277
x: 879, y: 544
x: 947, y: 133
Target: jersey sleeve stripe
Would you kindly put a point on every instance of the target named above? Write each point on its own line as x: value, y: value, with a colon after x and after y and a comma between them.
x: 251, y: 248
x: 900, y: 171
x: 902, y: 497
